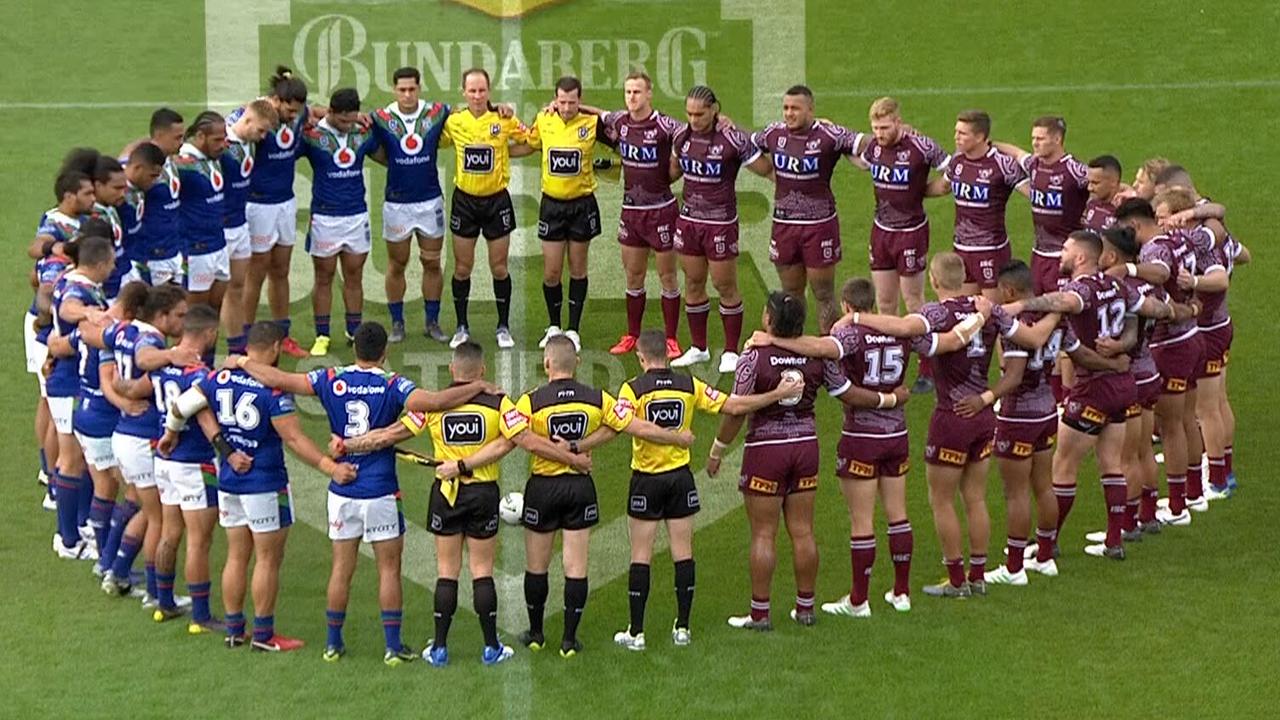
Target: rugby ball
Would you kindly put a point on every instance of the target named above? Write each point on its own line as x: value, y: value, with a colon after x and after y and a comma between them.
x: 799, y: 377
x: 511, y: 508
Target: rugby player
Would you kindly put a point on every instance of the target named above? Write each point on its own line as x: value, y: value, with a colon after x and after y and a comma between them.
x: 1104, y: 193
x: 1203, y: 209
x: 779, y: 473
x: 568, y: 214
x: 201, y: 210
x: 272, y: 209
x: 74, y: 191
x: 708, y: 153
x: 339, y: 232
x: 805, y: 244
x: 160, y: 244
x: 484, y: 143
x: 244, y: 131
x: 359, y: 398
x: 1144, y: 178
x: 1058, y: 187
x: 109, y: 187
x: 408, y: 134
x: 255, y: 501
x: 470, y: 439
x: 142, y: 169
x: 560, y: 497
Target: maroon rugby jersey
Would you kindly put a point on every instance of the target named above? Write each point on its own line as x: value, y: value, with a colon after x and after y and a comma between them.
x: 1213, y: 252
x: 803, y: 162
x: 900, y: 175
x: 1105, y: 301
x: 1142, y: 363
x: 645, y: 148
x: 760, y: 370
x: 981, y: 189
x: 875, y: 362
x: 956, y: 375
x: 1033, y: 398
x: 710, y: 163
x: 1173, y: 250
x: 1059, y: 191
x: 1098, y: 215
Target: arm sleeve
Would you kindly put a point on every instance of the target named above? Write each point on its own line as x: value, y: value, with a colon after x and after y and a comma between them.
x: 616, y: 414
x: 282, y: 404
x: 707, y: 398
x: 416, y: 422
x: 515, y: 416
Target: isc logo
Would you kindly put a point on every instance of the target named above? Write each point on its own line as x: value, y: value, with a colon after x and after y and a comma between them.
x: 667, y: 414
x: 567, y: 425
x: 463, y: 428
x: 477, y: 159
x: 564, y: 162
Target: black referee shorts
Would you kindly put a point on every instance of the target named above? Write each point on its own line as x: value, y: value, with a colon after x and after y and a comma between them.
x: 576, y: 220
x: 560, y: 502
x: 663, y: 496
x: 474, y: 512
x: 473, y: 215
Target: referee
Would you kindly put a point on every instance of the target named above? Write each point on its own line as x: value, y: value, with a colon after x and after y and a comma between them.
x: 484, y: 143
x: 662, y: 487
x: 470, y: 438
x: 559, y: 497
x: 568, y: 214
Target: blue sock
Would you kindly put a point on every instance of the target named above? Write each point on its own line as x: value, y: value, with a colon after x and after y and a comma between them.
x: 336, y: 619
x: 130, y: 546
x: 44, y: 464
x: 322, y: 325
x: 164, y: 589
x: 397, y: 311
x: 391, y: 628
x: 264, y: 626
x: 152, y: 585
x: 107, y: 553
x: 353, y: 322
x: 433, y: 311
x: 235, y: 624
x: 68, y: 498
x: 236, y: 344
x: 100, y: 512
x: 244, y: 329
x: 84, y: 499
x: 199, y: 600
x: 285, y: 325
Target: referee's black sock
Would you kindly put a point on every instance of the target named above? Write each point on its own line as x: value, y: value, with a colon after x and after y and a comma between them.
x: 553, y: 295
x: 684, y: 591
x: 575, y: 599
x: 577, y: 301
x: 535, y: 599
x: 461, y: 298
x: 638, y: 594
x: 485, y: 601
x: 446, y: 605
x: 502, y: 298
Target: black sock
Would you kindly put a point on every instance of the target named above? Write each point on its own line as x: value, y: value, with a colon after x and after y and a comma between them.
x: 638, y: 594
x: 535, y: 599
x: 553, y: 295
x: 575, y: 599
x: 684, y: 591
x: 461, y: 298
x: 485, y: 601
x: 577, y: 301
x: 446, y: 605
x: 502, y: 297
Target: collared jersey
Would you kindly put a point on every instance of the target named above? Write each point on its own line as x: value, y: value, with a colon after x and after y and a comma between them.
x: 667, y: 399
x: 237, y: 162
x: 357, y: 400
x: 567, y: 153
x: 278, y: 151
x: 337, y: 164
x: 159, y: 237
x: 481, y: 146
x: 460, y: 432
x: 246, y: 409
x: 410, y: 142
x: 203, y: 202
x: 565, y: 409
x: 170, y: 382
x: 125, y: 343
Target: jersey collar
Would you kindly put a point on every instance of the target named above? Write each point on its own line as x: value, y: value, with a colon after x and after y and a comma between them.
x: 394, y: 108
x: 193, y: 151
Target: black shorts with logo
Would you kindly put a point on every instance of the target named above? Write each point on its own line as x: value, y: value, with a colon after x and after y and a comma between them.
x: 474, y: 512
x: 490, y: 215
x: 577, y: 219
x: 663, y: 496
x: 560, y: 502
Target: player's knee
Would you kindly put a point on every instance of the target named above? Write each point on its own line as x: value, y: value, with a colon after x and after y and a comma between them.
x: 498, y: 269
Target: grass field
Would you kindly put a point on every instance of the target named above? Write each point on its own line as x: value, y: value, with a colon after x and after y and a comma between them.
x: 1186, y: 626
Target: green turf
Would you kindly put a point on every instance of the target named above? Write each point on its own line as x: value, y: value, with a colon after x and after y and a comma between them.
x: 1185, y: 627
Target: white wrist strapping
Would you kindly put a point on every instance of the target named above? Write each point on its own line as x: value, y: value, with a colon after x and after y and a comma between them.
x: 1131, y: 269
x: 187, y: 405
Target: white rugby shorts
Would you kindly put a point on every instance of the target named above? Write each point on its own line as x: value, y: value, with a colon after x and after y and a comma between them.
x: 239, y: 243
x: 37, y: 352
x: 61, y: 409
x: 370, y: 519
x: 260, y: 512
x: 97, y: 451
x: 135, y: 459
x: 400, y: 220
x: 272, y: 225
x: 204, y: 270
x: 333, y: 234
x: 191, y: 486
x: 167, y: 270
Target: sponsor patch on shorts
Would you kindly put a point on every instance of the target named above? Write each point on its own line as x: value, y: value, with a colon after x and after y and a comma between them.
x: 761, y: 485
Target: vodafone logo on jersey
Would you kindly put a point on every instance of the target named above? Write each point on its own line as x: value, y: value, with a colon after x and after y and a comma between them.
x: 215, y: 179
x: 344, y: 158
x: 175, y: 185
x: 411, y: 144
x: 285, y: 137
x: 339, y: 387
x: 246, y: 166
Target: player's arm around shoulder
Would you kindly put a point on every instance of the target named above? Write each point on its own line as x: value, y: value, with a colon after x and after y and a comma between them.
x: 411, y: 425
x: 289, y: 428
x: 295, y: 383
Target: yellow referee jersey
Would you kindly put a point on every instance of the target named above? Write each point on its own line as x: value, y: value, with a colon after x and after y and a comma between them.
x: 667, y: 399
x: 481, y: 147
x: 565, y: 409
x: 459, y: 433
x: 567, y: 152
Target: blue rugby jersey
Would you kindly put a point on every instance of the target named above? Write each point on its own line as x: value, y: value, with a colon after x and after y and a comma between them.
x: 358, y: 400
x: 94, y: 415
x: 200, y: 213
x: 64, y: 379
x: 411, y: 142
x: 169, y: 382
x: 111, y: 214
x: 237, y: 162
x: 337, y: 164
x: 272, y: 179
x: 126, y: 343
x: 245, y: 409
x: 158, y: 237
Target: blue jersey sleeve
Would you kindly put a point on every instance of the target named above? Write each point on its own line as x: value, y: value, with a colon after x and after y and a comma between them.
x: 319, y: 381
x: 146, y: 340
x: 281, y: 404
x: 401, y: 388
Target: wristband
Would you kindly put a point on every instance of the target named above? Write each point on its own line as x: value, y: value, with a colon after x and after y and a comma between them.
x: 718, y: 448
x: 880, y: 404
x: 988, y: 397
x: 1130, y: 269
x: 221, y: 445
x: 174, y: 422
x: 892, y: 401
x: 463, y: 470
x: 573, y: 447
x: 240, y: 361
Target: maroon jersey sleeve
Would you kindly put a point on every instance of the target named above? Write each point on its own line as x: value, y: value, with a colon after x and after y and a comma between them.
x: 1158, y: 253
x: 833, y: 378
x: 936, y: 316
x: 846, y: 339
x: 1078, y: 172
x: 744, y: 375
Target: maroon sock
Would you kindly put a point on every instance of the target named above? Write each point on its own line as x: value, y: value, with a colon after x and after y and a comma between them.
x: 1217, y: 473
x: 635, y: 311
x: 1226, y: 458
x: 1131, y: 514
x: 759, y: 608
x: 731, y: 318
x: 1045, y: 540
x: 804, y: 602
x: 862, y: 551
x: 697, y: 317
x: 1195, y: 481
x: 977, y: 567
x: 1016, y: 545
x: 1066, y: 495
x: 926, y: 367
x: 1177, y: 493
x: 1147, y: 507
x: 671, y: 312
x: 900, y: 546
x: 1113, y: 492
x: 1059, y: 390
x: 955, y: 571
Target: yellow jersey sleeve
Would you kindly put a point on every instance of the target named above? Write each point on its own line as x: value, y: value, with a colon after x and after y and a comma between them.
x: 514, y: 417
x: 616, y: 414
x: 708, y: 398
x: 416, y: 422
